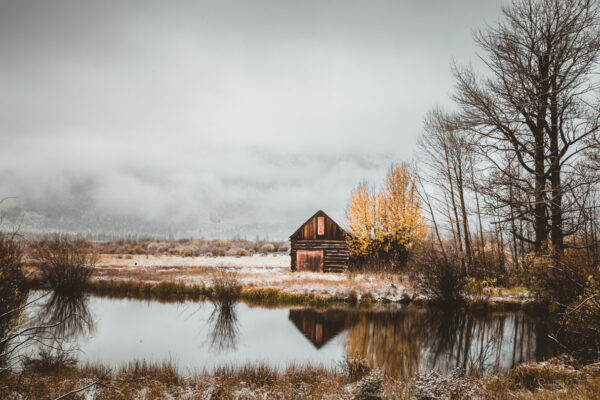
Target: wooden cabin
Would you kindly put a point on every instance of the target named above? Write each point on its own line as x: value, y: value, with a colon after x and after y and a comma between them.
x: 319, y: 245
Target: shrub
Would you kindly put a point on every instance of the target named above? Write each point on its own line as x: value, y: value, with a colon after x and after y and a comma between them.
x: 138, y: 250
x: 356, y: 368
x: 352, y: 297
x: 186, y: 251
x: 267, y: 248
x: 217, y: 252
x: 226, y: 289
x: 237, y: 251
x: 13, y: 294
x: 558, y: 279
x: 579, y: 327
x: 11, y: 274
x: 370, y: 387
x: 153, y: 248
x: 47, y: 361
x: 65, y: 264
x: 367, y: 299
x: 557, y: 371
x: 439, y: 275
x: 283, y: 247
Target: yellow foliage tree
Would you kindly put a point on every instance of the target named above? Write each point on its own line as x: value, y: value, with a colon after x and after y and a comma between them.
x: 361, y: 219
x: 400, y: 211
x: 387, y: 224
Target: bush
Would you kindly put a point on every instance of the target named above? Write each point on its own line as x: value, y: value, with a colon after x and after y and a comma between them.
x: 283, y: 247
x: 11, y: 274
x: 13, y: 294
x: 579, y: 327
x: 65, y: 264
x: 236, y: 251
x: 217, y: 252
x: 357, y: 368
x: 371, y: 263
x: 267, y: 248
x: 557, y: 371
x: 439, y: 275
x: 186, y: 251
x: 153, y: 248
x: 370, y: 387
x: 47, y: 361
x: 226, y: 289
x: 558, y: 279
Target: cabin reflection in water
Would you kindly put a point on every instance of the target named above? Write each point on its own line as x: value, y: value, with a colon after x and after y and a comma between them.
x: 319, y: 327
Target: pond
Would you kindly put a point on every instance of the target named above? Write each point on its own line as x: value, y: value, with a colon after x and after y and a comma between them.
x: 196, y: 337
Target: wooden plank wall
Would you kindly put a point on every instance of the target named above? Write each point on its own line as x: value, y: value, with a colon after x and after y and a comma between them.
x: 308, y: 231
x: 335, y: 253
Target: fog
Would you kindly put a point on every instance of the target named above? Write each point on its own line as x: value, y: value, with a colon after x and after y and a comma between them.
x: 216, y: 118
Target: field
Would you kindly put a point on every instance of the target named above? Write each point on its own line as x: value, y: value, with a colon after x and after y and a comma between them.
x: 258, y: 271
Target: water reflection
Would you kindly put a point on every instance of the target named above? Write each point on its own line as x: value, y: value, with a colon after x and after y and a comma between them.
x: 65, y: 318
x: 224, y: 328
x: 319, y: 326
x: 402, y: 342
x: 407, y: 342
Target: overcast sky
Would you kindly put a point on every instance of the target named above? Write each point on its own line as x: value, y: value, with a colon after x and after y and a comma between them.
x: 185, y: 114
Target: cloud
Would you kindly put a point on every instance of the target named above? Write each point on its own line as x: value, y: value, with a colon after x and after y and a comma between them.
x: 193, y: 116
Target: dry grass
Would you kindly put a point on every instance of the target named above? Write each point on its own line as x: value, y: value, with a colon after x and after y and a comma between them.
x: 152, y: 381
x: 140, y: 379
x: 262, y: 279
x: 253, y: 272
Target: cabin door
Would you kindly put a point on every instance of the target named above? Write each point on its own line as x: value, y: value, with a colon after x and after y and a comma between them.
x: 309, y: 260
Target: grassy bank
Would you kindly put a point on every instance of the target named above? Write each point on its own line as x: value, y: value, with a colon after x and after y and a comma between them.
x: 171, y: 291
x: 558, y: 378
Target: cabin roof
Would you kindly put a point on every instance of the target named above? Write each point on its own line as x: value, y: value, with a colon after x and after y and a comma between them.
x: 318, y: 213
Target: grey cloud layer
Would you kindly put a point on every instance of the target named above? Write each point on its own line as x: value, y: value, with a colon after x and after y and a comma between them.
x: 183, y: 113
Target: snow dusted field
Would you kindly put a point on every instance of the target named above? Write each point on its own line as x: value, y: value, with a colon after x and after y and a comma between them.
x: 261, y: 271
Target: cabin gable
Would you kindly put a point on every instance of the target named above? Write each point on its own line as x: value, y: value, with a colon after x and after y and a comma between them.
x: 319, y: 245
x: 319, y: 227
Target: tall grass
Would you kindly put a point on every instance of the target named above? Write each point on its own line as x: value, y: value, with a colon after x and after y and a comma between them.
x: 143, y: 379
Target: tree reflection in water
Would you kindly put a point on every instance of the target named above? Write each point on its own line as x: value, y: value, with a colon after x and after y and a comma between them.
x: 405, y: 343
x: 53, y: 324
x: 68, y: 317
x: 411, y: 341
x: 224, y: 328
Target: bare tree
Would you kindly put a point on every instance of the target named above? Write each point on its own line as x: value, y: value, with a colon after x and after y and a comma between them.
x: 449, y: 161
x: 534, y: 107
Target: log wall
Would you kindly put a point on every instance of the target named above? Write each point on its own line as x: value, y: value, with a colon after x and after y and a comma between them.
x: 335, y: 253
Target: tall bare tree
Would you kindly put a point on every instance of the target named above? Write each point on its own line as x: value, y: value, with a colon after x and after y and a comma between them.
x: 448, y: 156
x: 534, y: 105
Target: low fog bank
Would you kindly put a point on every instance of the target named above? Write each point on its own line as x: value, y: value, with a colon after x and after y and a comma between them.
x: 269, y: 196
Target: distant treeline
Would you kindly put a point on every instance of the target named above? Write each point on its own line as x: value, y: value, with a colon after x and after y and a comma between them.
x: 192, y: 247
x: 183, y: 247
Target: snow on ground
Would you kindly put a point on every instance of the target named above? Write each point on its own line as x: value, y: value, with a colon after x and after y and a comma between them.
x: 261, y: 271
x: 265, y: 271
